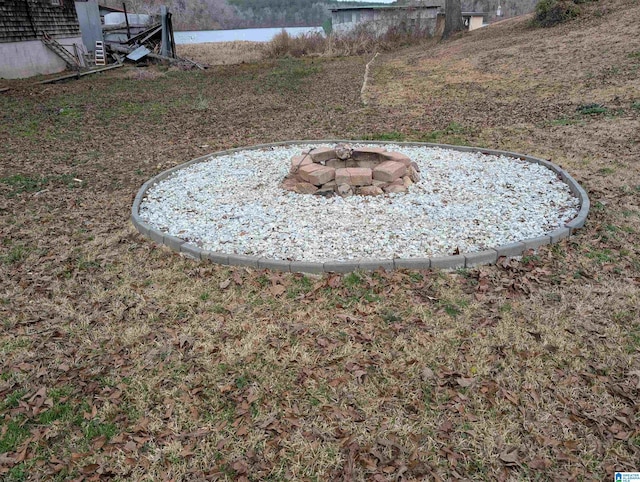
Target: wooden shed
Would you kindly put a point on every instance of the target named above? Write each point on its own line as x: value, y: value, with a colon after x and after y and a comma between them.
x: 32, y: 32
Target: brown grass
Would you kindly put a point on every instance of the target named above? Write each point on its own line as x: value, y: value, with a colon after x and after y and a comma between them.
x: 223, y: 53
x: 120, y: 359
x: 357, y: 42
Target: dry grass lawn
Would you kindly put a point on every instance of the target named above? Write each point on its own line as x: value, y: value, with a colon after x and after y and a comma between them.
x: 121, y: 360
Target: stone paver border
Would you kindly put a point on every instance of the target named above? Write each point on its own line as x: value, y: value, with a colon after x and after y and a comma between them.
x: 469, y: 260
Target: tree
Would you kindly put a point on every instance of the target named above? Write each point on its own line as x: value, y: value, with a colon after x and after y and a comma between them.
x: 452, y: 18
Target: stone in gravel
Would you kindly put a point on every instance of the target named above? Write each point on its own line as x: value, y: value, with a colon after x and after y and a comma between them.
x: 395, y: 188
x: 397, y: 157
x: 298, y: 161
x: 336, y: 163
x: 413, y: 174
x: 329, y: 185
x: 355, y: 176
x: 324, y: 191
x: 414, y: 164
x: 317, y: 174
x: 368, y: 153
x: 343, y: 151
x: 345, y: 190
x: 389, y: 171
x: 289, y: 184
x: 380, y: 184
x: 321, y: 154
x: 369, y: 191
x: 406, y: 180
x: 305, y: 188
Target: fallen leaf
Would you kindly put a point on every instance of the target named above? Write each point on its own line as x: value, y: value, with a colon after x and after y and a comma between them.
x: 637, y: 374
x: 509, y: 457
x: 539, y: 464
x: 427, y: 374
x: 277, y: 290
x: 6, y: 460
x: 90, y: 469
x: 465, y: 382
x: 225, y: 284
x: 130, y: 446
x: 240, y: 466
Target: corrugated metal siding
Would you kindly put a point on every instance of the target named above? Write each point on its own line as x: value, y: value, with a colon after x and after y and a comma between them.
x: 27, y: 19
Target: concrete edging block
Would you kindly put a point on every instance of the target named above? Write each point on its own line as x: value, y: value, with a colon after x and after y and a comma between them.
x: 173, y: 242
x: 275, y: 264
x: 535, y: 243
x: 448, y: 262
x: 191, y: 250
x: 412, y: 263
x: 512, y: 249
x: 241, y: 260
x: 214, y: 257
x: 156, y: 236
x: 307, y: 267
x: 142, y: 227
x: 559, y: 234
x: 375, y: 264
x: 489, y: 256
x: 443, y: 262
x: 340, y: 266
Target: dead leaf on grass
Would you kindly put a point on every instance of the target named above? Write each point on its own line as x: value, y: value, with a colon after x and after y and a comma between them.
x: 465, y: 382
x: 225, y: 284
x: 510, y: 457
x: 277, y: 290
x: 637, y: 374
x: 539, y: 464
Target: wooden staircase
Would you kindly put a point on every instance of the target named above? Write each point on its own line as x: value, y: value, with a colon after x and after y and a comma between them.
x: 60, y: 51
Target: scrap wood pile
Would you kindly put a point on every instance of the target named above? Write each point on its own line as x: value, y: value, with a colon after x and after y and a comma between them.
x: 148, y: 45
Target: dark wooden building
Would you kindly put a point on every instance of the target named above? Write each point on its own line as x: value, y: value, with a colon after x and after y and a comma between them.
x: 24, y: 26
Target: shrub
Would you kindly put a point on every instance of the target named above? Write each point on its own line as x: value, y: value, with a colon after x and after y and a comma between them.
x: 553, y: 12
x: 359, y: 41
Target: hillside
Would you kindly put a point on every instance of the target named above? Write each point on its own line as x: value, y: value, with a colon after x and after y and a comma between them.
x: 228, y: 14
x: 123, y: 360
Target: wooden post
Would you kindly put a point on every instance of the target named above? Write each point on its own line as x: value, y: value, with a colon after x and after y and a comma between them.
x: 126, y: 19
x: 164, y: 44
x: 172, y: 40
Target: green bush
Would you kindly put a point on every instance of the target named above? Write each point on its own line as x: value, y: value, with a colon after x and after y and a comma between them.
x: 554, y: 12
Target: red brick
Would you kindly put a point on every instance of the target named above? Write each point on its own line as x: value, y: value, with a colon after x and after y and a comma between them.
x: 305, y: 188
x: 354, y: 176
x: 336, y: 163
x: 389, y: 171
x: 299, y: 161
x: 368, y: 153
x: 397, y: 157
x: 317, y: 174
x: 321, y: 154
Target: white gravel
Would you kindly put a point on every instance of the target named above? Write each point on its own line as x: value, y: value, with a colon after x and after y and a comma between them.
x: 468, y: 201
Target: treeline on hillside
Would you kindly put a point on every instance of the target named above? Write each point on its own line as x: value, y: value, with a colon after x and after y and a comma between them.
x: 510, y: 8
x: 226, y: 14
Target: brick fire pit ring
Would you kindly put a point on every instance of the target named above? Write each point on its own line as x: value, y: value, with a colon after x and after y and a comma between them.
x: 471, y: 259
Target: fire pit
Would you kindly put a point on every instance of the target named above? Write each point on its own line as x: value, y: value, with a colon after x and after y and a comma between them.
x: 343, y: 170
